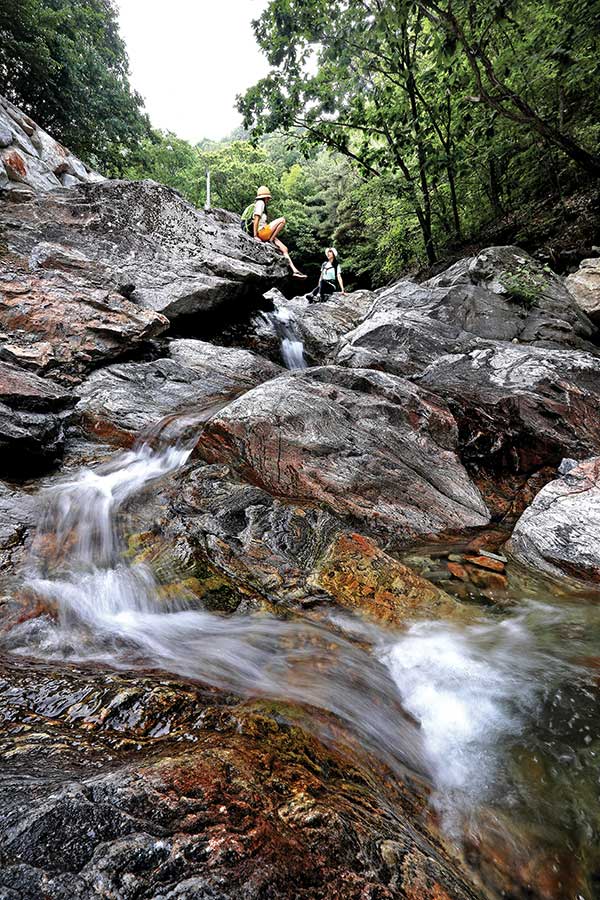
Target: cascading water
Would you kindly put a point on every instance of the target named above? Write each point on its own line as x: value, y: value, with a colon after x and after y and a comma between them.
x: 467, y: 706
x: 292, y: 348
x: 109, y: 609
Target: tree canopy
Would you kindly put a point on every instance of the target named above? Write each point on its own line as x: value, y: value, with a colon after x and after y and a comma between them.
x: 438, y: 104
x: 64, y: 63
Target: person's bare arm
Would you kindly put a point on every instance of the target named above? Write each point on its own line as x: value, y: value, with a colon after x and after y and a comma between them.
x: 255, y: 222
x: 339, y: 275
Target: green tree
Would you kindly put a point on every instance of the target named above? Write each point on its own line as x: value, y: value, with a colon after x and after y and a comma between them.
x: 64, y: 63
x: 169, y: 160
x: 454, y: 111
x: 516, y: 51
x: 237, y: 169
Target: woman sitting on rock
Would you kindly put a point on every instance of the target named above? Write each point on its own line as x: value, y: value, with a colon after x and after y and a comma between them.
x: 268, y: 232
x: 331, y: 272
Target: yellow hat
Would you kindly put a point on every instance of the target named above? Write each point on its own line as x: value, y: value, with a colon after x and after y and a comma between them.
x: 263, y: 193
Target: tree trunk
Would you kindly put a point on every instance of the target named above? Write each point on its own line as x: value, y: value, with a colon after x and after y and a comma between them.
x: 518, y: 110
x: 454, y: 201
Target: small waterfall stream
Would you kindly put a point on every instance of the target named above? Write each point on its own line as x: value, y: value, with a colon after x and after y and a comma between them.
x: 283, y: 321
x: 473, y: 708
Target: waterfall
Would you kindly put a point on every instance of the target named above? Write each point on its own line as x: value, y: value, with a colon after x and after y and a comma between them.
x: 283, y: 321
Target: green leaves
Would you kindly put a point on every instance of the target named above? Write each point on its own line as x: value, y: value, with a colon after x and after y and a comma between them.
x: 64, y: 63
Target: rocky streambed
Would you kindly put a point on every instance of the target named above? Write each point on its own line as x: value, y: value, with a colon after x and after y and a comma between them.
x: 328, y: 631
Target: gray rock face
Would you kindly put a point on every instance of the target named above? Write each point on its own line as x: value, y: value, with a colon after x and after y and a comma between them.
x: 225, y: 366
x: 321, y: 325
x: 31, y: 158
x: 401, y: 342
x: 56, y: 317
x: 559, y: 534
x: 584, y: 285
x: 521, y: 407
x: 365, y: 445
x: 503, y: 294
x: 145, y: 241
x: 119, y: 402
x: 33, y: 413
x: 500, y: 295
x: 17, y: 512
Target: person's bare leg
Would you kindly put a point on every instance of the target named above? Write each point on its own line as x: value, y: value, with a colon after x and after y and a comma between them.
x: 278, y: 225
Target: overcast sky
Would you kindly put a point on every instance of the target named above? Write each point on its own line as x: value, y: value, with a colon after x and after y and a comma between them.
x: 190, y: 58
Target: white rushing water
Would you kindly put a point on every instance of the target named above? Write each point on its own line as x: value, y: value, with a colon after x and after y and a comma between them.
x: 292, y: 348
x: 446, y: 701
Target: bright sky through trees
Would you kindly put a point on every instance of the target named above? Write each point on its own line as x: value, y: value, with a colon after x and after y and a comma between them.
x: 190, y: 58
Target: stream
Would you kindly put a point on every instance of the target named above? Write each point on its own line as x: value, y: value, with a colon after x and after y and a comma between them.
x: 499, y: 715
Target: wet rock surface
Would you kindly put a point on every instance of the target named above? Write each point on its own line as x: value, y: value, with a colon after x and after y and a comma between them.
x: 259, y: 542
x: 227, y: 800
x: 560, y: 532
x: 262, y: 548
x: 347, y: 440
x: 17, y: 516
x: 358, y: 575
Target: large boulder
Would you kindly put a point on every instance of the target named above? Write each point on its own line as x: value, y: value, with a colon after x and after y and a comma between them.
x: 33, y: 415
x: 367, y: 446
x: 145, y: 241
x: 31, y: 160
x: 500, y: 295
x: 559, y: 534
x: 402, y: 342
x: 91, y: 269
x: 119, y: 402
x: 520, y: 407
x: 584, y: 285
x: 55, y: 318
x: 269, y: 550
x: 504, y: 294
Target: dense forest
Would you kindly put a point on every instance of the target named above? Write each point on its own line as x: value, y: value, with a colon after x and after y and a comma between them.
x: 401, y: 131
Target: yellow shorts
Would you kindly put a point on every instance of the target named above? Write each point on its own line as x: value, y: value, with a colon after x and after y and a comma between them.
x: 265, y: 233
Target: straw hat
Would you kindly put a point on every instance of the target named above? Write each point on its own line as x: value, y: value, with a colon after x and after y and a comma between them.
x: 333, y: 250
x: 263, y: 193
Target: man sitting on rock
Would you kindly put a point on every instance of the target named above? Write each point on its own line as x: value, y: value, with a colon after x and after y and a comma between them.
x: 268, y: 232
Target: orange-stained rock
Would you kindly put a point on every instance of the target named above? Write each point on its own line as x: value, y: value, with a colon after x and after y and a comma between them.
x: 484, y: 578
x: 485, y: 562
x: 55, y: 321
x: 361, y: 576
x: 458, y: 571
x: 198, y: 796
x: 15, y: 164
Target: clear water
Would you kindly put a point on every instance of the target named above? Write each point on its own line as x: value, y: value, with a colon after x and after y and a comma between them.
x: 500, y: 715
